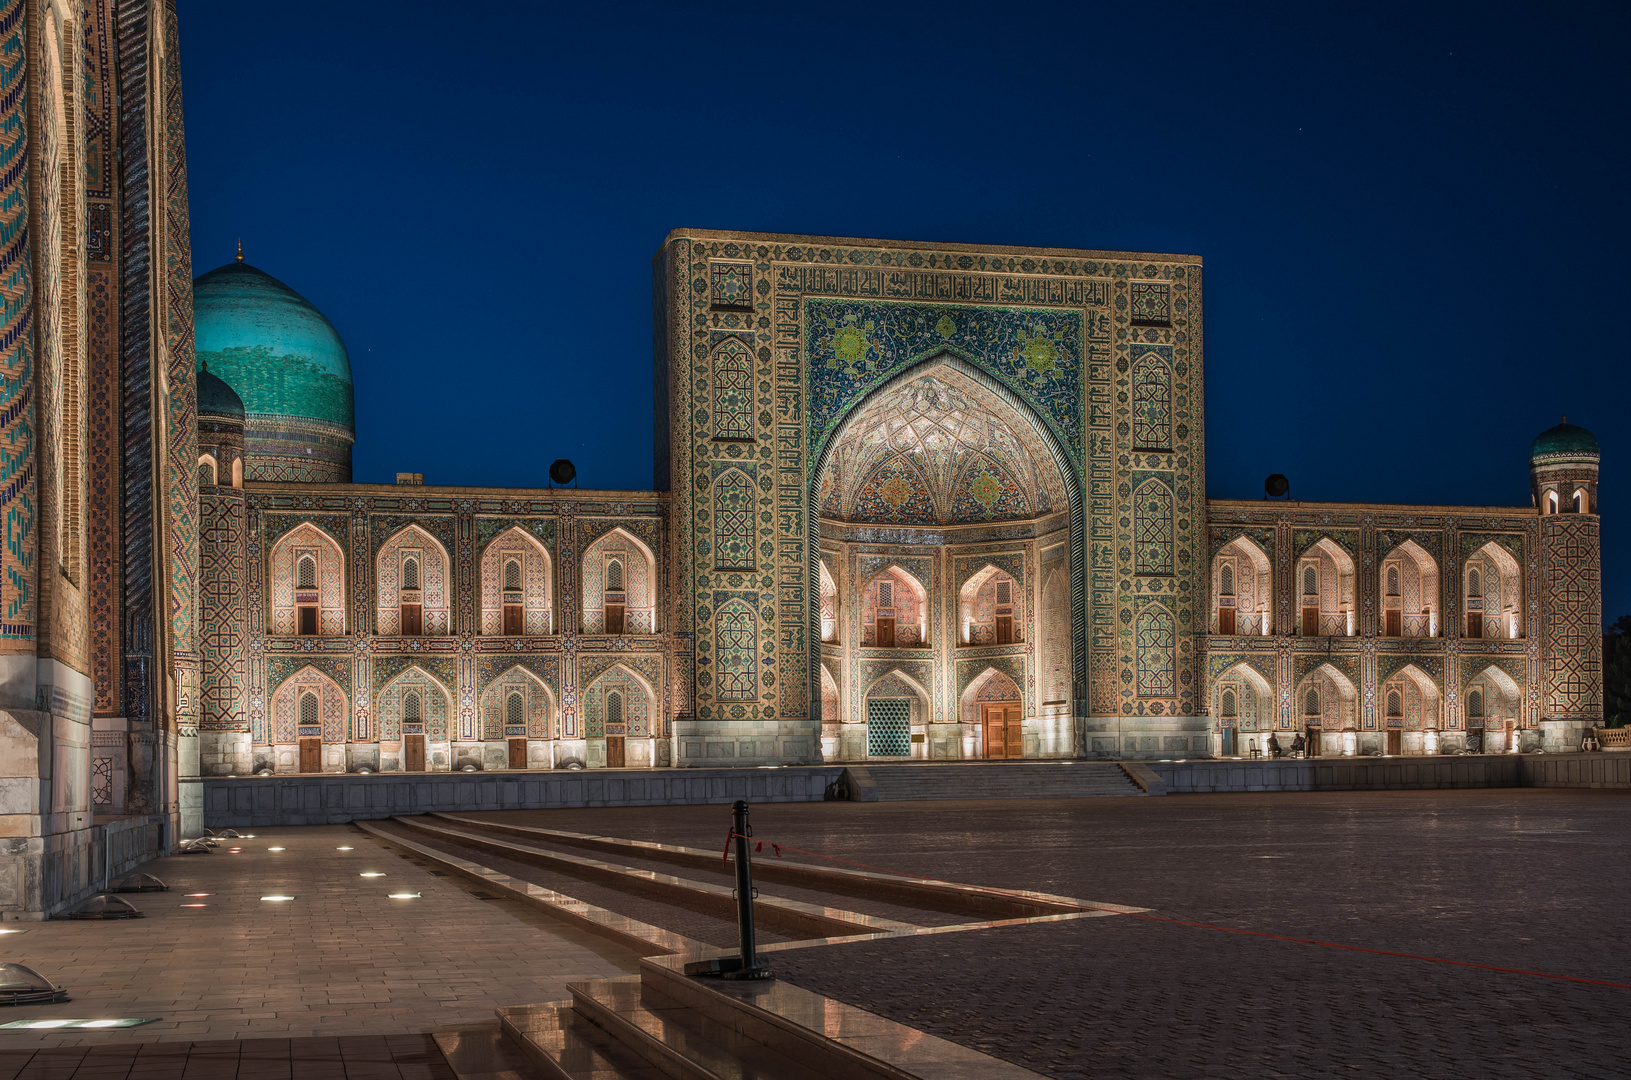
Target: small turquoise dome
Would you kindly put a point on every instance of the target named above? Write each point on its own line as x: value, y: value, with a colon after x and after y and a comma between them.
x: 217, y: 399
x: 1564, y: 440
x: 288, y: 367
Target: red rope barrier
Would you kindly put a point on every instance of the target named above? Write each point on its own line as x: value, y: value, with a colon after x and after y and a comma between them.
x: 779, y: 848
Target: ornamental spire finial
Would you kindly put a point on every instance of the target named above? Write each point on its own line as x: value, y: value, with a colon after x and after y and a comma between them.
x: 240, y: 249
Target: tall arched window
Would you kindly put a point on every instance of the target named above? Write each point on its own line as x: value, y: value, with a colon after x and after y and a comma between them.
x: 1226, y: 580
x: 1152, y: 528
x: 1230, y: 708
x: 733, y: 390
x: 736, y: 662
x: 308, y: 709
x: 1582, y: 505
x: 512, y: 575
x: 1393, y: 581
x: 1551, y: 502
x: 1395, y: 704
x: 1311, y: 702
x: 1311, y: 581
x: 614, y: 576
x: 412, y: 708
x: 515, y: 710
x: 1155, y: 647
x: 733, y: 522
x: 410, y: 574
x: 1475, y: 585
x: 614, y: 707
x: 1152, y: 404
x: 1475, y: 705
x: 306, y: 573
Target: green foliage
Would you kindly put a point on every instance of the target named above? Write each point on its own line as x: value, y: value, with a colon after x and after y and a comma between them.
x: 1617, y: 673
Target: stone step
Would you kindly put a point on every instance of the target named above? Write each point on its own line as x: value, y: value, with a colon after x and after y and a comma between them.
x: 997, y: 780
x: 558, y: 1044
x: 677, y: 1038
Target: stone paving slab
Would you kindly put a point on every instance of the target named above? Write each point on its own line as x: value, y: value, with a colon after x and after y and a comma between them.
x: 340, y: 959
x: 388, y: 1057
x: 1527, y: 878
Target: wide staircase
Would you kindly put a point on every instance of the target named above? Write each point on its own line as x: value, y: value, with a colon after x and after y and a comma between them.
x: 999, y: 780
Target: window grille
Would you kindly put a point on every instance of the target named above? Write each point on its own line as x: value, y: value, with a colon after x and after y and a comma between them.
x: 410, y: 575
x: 1226, y: 580
x: 1475, y: 704
x: 411, y: 707
x: 1230, y: 708
x: 306, y: 573
x: 515, y: 711
x: 1395, y: 707
x: 1002, y: 592
x: 888, y: 727
x: 886, y: 594
x: 1475, y: 585
x: 614, y: 576
x: 308, y: 708
x: 512, y: 575
x: 614, y: 707
x: 1393, y: 581
x: 1311, y: 581
x: 1311, y: 703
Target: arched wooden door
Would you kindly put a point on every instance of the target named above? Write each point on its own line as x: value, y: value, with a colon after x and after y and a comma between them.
x: 1004, y: 729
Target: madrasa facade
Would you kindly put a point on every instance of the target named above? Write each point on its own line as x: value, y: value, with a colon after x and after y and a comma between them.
x: 911, y: 501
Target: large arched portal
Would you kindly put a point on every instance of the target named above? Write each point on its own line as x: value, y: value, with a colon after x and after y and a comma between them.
x: 945, y: 528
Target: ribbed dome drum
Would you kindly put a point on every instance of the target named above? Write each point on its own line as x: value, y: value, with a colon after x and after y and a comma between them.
x: 288, y: 365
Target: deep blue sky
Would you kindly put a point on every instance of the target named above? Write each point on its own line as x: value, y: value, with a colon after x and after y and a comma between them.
x: 1413, y: 218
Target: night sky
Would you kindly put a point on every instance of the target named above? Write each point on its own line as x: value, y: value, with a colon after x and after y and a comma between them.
x: 1413, y: 218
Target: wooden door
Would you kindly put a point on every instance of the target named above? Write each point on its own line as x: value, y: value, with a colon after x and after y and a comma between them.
x: 1226, y: 620
x: 308, y: 622
x: 513, y: 620
x: 1313, y: 742
x: 413, y: 620
x: 1394, y: 624
x: 886, y: 632
x: 311, y: 755
x: 1475, y: 624
x: 614, y: 751
x: 1311, y: 622
x: 614, y: 618
x: 1005, y: 629
x: 518, y: 753
x: 413, y: 753
x: 1004, y: 731
x: 1395, y: 741
x: 1228, y: 749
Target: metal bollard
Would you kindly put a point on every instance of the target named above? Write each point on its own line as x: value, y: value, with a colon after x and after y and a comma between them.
x: 751, y: 966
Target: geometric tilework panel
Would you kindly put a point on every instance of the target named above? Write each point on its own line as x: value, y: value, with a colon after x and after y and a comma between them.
x: 638, y: 570
x: 224, y: 629
x: 632, y: 699
x: 516, y: 545
x: 538, y: 706
x: 413, y: 543
x: 434, y: 707
x: 307, y: 540
x: 333, y: 709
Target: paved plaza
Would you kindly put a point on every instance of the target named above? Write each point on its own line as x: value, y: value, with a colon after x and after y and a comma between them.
x: 1514, y: 878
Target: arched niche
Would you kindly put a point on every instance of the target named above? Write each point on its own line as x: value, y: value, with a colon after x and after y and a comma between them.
x: 1492, y: 585
x: 306, y: 575
x: 620, y: 719
x: 992, y: 710
x: 990, y: 609
x: 209, y: 470
x: 832, y: 711
x: 1324, y: 589
x: 415, y: 705
x: 1326, y: 699
x: 619, y: 585
x: 1407, y: 582
x: 1243, y: 699
x: 895, y: 707
x: 517, y: 590
x: 1242, y: 589
x: 894, y: 611
x: 310, y: 707
x: 412, y: 572
x: 517, y: 704
x: 1409, y: 700
x: 1492, y: 707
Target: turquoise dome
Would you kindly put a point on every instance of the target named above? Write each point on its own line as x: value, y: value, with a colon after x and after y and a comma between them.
x: 288, y: 367
x: 271, y: 345
x: 1564, y: 440
x: 217, y: 399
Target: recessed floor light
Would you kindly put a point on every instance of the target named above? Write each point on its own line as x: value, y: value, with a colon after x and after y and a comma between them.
x: 274, y: 849
x: 198, y: 894
x: 10, y: 931
x: 195, y: 905
x: 371, y: 873
x: 277, y: 898
x: 405, y: 896
x: 121, y: 1023
x: 345, y: 849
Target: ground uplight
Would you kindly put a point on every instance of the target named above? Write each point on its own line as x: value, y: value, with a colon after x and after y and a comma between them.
x: 277, y: 898
x: 405, y: 896
x: 345, y: 849
x: 274, y: 849
x: 371, y: 873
